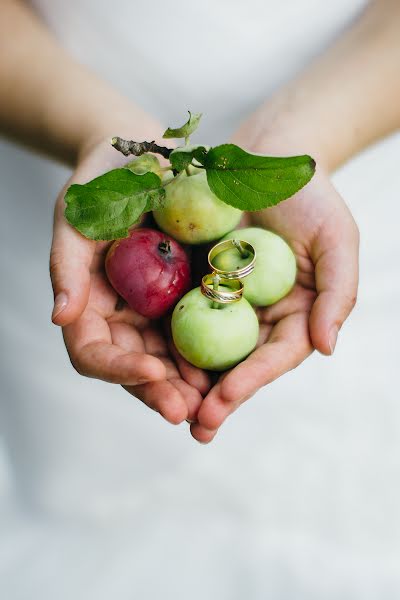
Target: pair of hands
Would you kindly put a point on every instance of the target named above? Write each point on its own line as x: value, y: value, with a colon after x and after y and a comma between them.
x: 117, y: 345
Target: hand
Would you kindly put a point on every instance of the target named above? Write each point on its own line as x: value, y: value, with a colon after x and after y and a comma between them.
x: 321, y: 231
x: 104, y: 338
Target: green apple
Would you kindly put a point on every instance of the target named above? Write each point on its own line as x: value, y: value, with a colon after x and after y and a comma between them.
x: 192, y: 214
x: 213, y: 338
x: 275, y: 270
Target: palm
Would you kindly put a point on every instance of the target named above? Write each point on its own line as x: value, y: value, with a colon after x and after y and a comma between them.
x: 111, y: 342
x: 320, y: 229
x: 104, y: 337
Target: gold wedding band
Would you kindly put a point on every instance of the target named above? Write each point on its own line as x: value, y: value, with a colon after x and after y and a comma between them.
x: 233, y: 293
x: 242, y: 247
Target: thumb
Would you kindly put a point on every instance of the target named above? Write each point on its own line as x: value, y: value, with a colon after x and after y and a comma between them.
x: 70, y: 259
x: 336, y: 279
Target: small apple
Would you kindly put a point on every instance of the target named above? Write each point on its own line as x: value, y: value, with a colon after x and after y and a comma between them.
x: 213, y: 338
x: 275, y: 270
x: 149, y: 270
x: 192, y: 214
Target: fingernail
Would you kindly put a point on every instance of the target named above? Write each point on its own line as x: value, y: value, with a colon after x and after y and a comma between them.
x: 190, y: 421
x: 60, y: 304
x: 143, y: 380
x: 332, y: 338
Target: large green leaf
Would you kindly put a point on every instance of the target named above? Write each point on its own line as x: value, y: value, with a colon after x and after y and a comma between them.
x: 106, y: 207
x: 252, y: 182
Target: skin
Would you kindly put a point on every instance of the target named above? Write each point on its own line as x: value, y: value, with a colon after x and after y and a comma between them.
x: 197, y: 330
x: 117, y: 346
x: 311, y: 315
x: 338, y: 105
x: 275, y: 269
x: 192, y: 214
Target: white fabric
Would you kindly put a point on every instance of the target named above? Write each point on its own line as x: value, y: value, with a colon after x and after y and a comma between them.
x: 298, y: 497
x: 219, y: 57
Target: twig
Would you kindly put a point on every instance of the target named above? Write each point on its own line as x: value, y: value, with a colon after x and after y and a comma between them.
x: 128, y: 147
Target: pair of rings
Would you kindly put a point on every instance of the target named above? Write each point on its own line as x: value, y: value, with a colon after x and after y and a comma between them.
x: 229, y: 280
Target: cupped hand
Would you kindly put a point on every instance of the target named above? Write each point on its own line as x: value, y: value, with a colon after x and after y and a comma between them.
x: 324, y: 237
x: 105, y: 339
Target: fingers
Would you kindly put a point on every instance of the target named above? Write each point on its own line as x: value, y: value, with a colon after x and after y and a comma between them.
x: 288, y: 345
x: 105, y: 361
x: 70, y: 259
x: 71, y: 253
x: 156, y: 345
x: 195, y: 377
x: 336, y: 275
x: 300, y: 299
x: 201, y: 434
x: 94, y: 354
x: 191, y: 395
x: 174, y: 399
x: 164, y: 398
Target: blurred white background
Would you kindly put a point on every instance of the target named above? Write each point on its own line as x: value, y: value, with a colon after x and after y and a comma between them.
x: 299, y: 495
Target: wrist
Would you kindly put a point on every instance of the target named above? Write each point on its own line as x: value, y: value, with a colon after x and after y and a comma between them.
x: 121, y: 119
x: 76, y: 121
x: 268, y: 133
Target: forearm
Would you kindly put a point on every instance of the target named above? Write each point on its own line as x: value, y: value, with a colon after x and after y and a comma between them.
x: 345, y: 100
x: 49, y: 101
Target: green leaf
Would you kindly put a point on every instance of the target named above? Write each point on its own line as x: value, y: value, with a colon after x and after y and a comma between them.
x: 144, y: 164
x: 180, y: 158
x: 252, y: 182
x: 187, y: 129
x: 106, y: 207
x: 155, y: 199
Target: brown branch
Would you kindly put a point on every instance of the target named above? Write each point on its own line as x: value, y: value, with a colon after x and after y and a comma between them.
x: 128, y: 147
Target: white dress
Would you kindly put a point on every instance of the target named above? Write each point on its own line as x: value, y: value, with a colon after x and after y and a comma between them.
x: 298, y: 496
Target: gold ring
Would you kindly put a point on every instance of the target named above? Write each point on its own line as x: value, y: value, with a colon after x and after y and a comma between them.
x: 232, y: 294
x: 244, y: 248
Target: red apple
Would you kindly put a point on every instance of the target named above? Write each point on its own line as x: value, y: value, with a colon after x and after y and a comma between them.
x: 150, y: 270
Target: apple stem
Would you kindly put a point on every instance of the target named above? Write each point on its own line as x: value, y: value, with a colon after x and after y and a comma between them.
x: 216, y: 281
x: 244, y: 253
